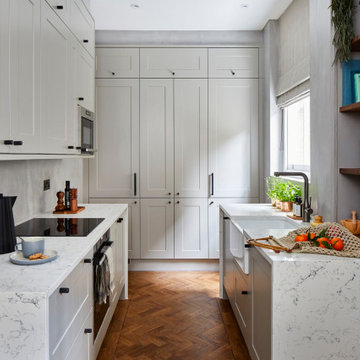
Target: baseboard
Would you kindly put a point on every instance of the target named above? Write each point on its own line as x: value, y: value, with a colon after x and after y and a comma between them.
x: 174, y: 265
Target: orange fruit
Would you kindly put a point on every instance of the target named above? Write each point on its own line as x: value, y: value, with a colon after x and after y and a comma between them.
x: 301, y: 237
x: 337, y: 244
x: 312, y: 236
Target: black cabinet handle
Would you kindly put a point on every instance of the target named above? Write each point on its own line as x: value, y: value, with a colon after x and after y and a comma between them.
x: 178, y: 202
x: 135, y: 202
x: 135, y: 185
x: 113, y: 73
x: 169, y: 202
x: 88, y: 331
x: 232, y: 72
x: 81, y: 99
x: 64, y: 290
x: 177, y: 194
x: 212, y: 184
x: 120, y: 220
x: 78, y: 148
x: 18, y: 143
x: 247, y: 246
x: 87, y: 261
x: 8, y: 142
x: 70, y: 147
x: 244, y: 292
x: 59, y: 7
x: 85, y: 41
x: 211, y: 202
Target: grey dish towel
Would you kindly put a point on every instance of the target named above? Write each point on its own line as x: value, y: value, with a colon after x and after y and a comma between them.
x: 102, y: 282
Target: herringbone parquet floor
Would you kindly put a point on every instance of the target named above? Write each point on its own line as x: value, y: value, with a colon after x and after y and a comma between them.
x: 173, y: 315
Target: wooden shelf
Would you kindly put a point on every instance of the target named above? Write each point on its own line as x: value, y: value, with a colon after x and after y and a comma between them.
x: 349, y: 171
x: 355, y: 44
x: 351, y: 108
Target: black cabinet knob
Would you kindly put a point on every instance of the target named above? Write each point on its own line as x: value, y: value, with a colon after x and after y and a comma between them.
x: 244, y: 292
x: 178, y: 202
x: 85, y: 41
x: 88, y: 331
x: 59, y: 7
x: 87, y: 261
x: 18, y: 143
x: 8, y: 142
x: 81, y: 99
x: 232, y: 72
x: 135, y: 202
x: 169, y: 202
x: 119, y: 220
x: 70, y: 147
x: 113, y: 73
x: 177, y: 194
x: 64, y: 290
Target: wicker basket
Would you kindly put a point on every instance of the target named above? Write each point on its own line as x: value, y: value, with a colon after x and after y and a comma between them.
x: 351, y: 242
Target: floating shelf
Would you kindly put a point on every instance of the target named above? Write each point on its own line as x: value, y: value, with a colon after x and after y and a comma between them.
x: 350, y: 171
x: 351, y: 108
x: 355, y: 44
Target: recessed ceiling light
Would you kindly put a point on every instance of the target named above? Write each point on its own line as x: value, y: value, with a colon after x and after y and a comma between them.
x: 135, y: 6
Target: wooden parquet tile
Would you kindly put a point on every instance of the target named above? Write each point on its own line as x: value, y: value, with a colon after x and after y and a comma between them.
x: 173, y: 315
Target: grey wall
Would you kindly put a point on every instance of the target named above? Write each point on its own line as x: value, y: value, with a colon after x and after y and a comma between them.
x: 108, y: 37
x: 25, y: 180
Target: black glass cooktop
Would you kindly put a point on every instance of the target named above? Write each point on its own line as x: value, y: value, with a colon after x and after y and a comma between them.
x: 57, y: 227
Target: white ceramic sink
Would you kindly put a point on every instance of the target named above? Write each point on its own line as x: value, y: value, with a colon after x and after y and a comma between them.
x: 266, y: 222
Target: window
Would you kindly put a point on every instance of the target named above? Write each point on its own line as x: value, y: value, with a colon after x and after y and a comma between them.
x: 296, y: 135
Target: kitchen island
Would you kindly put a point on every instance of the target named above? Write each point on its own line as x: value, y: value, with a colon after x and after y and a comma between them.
x: 39, y: 322
x: 288, y: 306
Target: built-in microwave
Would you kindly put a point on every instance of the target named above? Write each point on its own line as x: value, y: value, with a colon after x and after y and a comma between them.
x: 87, y: 131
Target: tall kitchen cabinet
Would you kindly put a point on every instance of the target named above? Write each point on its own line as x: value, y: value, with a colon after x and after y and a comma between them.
x: 175, y: 139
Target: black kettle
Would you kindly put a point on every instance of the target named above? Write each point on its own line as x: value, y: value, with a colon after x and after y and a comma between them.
x: 7, y: 226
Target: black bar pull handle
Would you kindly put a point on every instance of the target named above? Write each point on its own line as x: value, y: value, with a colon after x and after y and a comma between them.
x: 88, y: 331
x: 85, y: 41
x: 59, y: 7
x: 8, y: 142
x: 87, y: 261
x: 244, y: 292
x: 70, y: 147
x: 119, y: 220
x: 64, y: 290
x: 18, y: 143
x: 212, y: 184
x: 135, y: 185
x: 80, y: 99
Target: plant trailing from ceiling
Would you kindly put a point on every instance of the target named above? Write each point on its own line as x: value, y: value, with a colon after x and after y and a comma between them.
x: 342, y: 19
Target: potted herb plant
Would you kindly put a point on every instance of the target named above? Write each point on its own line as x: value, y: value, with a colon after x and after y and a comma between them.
x: 287, y: 192
x: 271, y: 183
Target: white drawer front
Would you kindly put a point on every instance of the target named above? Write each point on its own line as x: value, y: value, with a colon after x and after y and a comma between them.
x: 117, y: 63
x: 173, y: 63
x: 68, y: 311
x: 62, y: 8
x: 234, y: 63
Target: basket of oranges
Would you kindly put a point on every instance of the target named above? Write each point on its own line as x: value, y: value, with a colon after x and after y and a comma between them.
x: 327, y: 239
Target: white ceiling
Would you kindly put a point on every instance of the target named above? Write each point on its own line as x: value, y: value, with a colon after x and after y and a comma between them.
x: 185, y: 14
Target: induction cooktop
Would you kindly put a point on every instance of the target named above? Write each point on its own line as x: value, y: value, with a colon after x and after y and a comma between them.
x: 58, y: 227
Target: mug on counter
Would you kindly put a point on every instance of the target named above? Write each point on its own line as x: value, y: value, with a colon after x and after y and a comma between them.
x: 31, y: 245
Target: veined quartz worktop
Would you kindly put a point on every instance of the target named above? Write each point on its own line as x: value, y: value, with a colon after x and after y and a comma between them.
x: 25, y: 290
x: 314, y: 300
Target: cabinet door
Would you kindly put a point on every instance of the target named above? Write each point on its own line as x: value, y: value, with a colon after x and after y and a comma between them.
x: 190, y: 109
x: 4, y: 75
x: 57, y: 103
x: 229, y: 280
x: 114, y: 171
x: 233, y: 138
x: 156, y: 138
x: 191, y: 232
x: 116, y: 235
x: 234, y: 63
x: 157, y: 232
x: 260, y: 271
x: 133, y: 219
x: 24, y: 74
x: 62, y: 8
x: 117, y: 63
x: 173, y: 63
x: 86, y: 80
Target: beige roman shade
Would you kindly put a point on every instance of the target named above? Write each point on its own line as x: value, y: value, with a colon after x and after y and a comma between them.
x: 294, y: 52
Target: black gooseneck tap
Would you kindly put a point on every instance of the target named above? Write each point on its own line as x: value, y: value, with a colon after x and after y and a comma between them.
x: 307, y: 210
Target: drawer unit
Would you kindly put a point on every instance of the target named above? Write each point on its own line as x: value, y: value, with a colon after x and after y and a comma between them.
x: 62, y: 8
x: 82, y: 25
x: 234, y: 63
x: 69, y: 306
x: 173, y: 63
x: 117, y: 63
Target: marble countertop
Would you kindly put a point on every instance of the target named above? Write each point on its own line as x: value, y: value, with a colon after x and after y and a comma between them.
x: 47, y: 277
x: 239, y: 211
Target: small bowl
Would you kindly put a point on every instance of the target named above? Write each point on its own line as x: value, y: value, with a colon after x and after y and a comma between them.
x: 351, y: 226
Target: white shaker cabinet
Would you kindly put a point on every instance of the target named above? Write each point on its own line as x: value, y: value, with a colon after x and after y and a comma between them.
x: 157, y: 229
x: 114, y: 171
x: 191, y: 230
x: 19, y: 75
x: 57, y: 92
x: 62, y: 8
x: 190, y: 111
x: 133, y: 222
x: 112, y: 63
x: 156, y: 138
x: 233, y: 137
x: 173, y: 63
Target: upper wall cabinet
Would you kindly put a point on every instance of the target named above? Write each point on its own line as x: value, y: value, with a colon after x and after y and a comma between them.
x: 82, y: 25
x: 117, y: 63
x: 173, y: 63
x: 234, y: 63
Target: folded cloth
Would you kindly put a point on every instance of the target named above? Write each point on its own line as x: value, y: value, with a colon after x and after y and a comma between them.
x: 110, y: 260
x: 102, y: 282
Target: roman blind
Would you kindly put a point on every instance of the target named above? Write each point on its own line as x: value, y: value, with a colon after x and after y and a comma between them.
x: 294, y: 52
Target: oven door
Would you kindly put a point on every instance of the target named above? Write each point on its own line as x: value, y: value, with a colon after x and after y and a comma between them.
x: 87, y: 135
